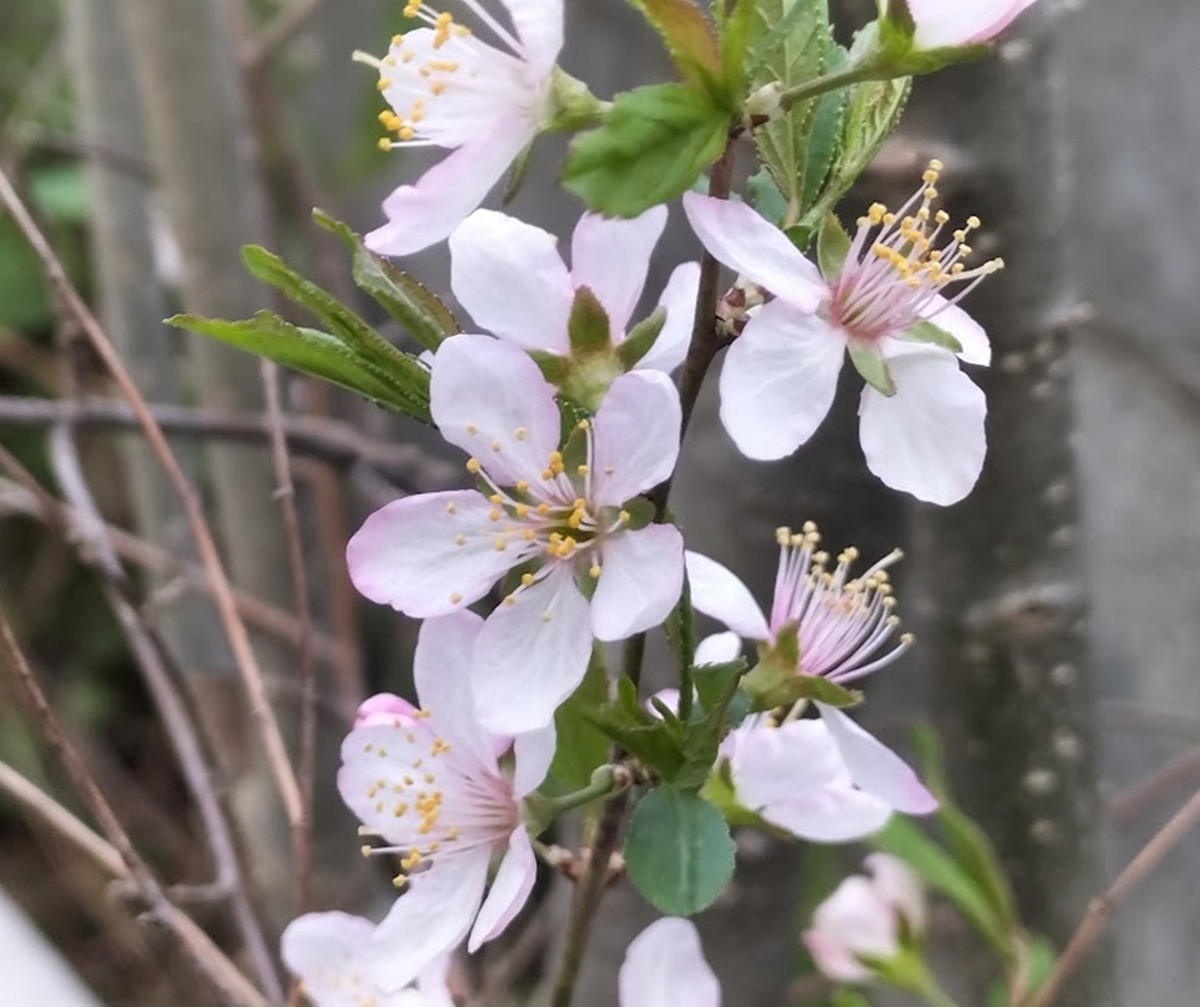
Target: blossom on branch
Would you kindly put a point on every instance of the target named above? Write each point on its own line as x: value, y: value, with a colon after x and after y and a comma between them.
x: 822, y: 624
x: 664, y: 966
x: 512, y: 280
x: 584, y: 561
x: 328, y: 953
x: 449, y: 89
x: 921, y: 418
x: 867, y: 921
x: 434, y: 793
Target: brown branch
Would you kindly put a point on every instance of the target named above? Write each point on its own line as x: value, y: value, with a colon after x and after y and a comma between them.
x: 177, y: 719
x: 206, y: 955
x: 278, y: 32
x: 239, y: 640
x: 329, y: 440
x: 1101, y: 908
x: 1131, y: 804
x: 286, y: 494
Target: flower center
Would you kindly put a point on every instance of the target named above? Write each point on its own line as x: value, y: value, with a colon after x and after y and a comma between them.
x: 895, y: 273
x: 842, y: 622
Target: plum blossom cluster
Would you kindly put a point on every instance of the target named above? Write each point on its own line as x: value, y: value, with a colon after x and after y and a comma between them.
x: 563, y: 403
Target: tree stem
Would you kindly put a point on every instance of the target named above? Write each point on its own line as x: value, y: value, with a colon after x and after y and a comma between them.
x: 701, y: 352
x: 823, y: 85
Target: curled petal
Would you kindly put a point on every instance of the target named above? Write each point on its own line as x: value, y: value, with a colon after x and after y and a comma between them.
x: 899, y: 886
x: 423, y: 214
x: 408, y: 554
x: 611, y: 257
x: 635, y: 437
x: 531, y: 655
x: 779, y: 380
x: 679, y: 301
x: 509, y: 892
x: 640, y: 581
x: 532, y: 754
x: 928, y: 439
x: 489, y: 398
x: 941, y: 23
x: 717, y: 591
x: 665, y: 967
x: 510, y: 277
x: 751, y: 246
x: 720, y: 648
x: 875, y: 767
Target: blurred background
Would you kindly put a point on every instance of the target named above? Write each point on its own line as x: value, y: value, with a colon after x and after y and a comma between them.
x: 1057, y: 610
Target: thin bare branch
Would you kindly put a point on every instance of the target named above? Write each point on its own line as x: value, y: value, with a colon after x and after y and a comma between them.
x: 287, y: 23
x: 1148, y: 859
x: 211, y: 961
x: 326, y: 439
x: 286, y: 493
x: 239, y: 641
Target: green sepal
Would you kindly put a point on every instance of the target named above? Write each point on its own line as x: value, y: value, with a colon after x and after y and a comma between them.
x: 870, y: 363
x: 641, y: 513
x: 553, y: 367
x: 641, y: 338
x: 517, y: 175
x: 833, y: 246
x: 406, y: 300
x: 571, y: 106
x: 777, y: 681
x: 927, y: 332
x: 654, y: 142
x: 402, y: 388
x: 588, y: 327
x: 679, y: 853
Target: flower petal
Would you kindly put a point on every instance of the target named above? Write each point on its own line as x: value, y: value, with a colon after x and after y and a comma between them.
x: 954, y: 23
x: 511, y: 279
x: 679, y: 300
x: 533, y: 752
x: 525, y: 664
x: 773, y: 764
x: 720, y: 648
x: 635, y: 437
x: 442, y: 675
x: 664, y: 966
x: 779, y: 380
x: 900, y: 887
x: 428, y: 919
x: 717, y: 591
x: 322, y: 950
x: 611, y: 257
x: 509, y: 892
x: 640, y: 581
x: 751, y: 246
x: 833, y: 958
x: 406, y: 554
x: 837, y: 813
x: 928, y: 439
x: 539, y: 23
x: 970, y: 334
x: 489, y: 398
x: 875, y: 767
x: 423, y: 214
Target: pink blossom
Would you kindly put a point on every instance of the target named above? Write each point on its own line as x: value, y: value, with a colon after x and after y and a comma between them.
x: 435, y: 794
x: 436, y: 553
x: 328, y: 953
x: 842, y: 624
x: 484, y: 102
x: 511, y: 278
x: 952, y: 23
x: 866, y: 918
x: 664, y: 966
x: 926, y: 437
x: 385, y: 708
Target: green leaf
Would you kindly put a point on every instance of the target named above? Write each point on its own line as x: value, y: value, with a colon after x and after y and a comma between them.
x: 314, y: 352
x: 641, y: 338
x: 901, y: 838
x: 735, y: 29
x: 411, y: 304
x: 716, y: 685
x: 680, y: 628
x: 654, y: 142
x: 403, y: 370
x: 688, y: 36
x: 966, y: 842
x: 581, y: 746
x: 679, y: 852
x: 927, y: 332
x: 656, y: 742
x: 833, y: 245
x: 60, y: 192
x: 766, y: 197
x: 588, y: 327
x: 791, y: 43
x: 869, y: 361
